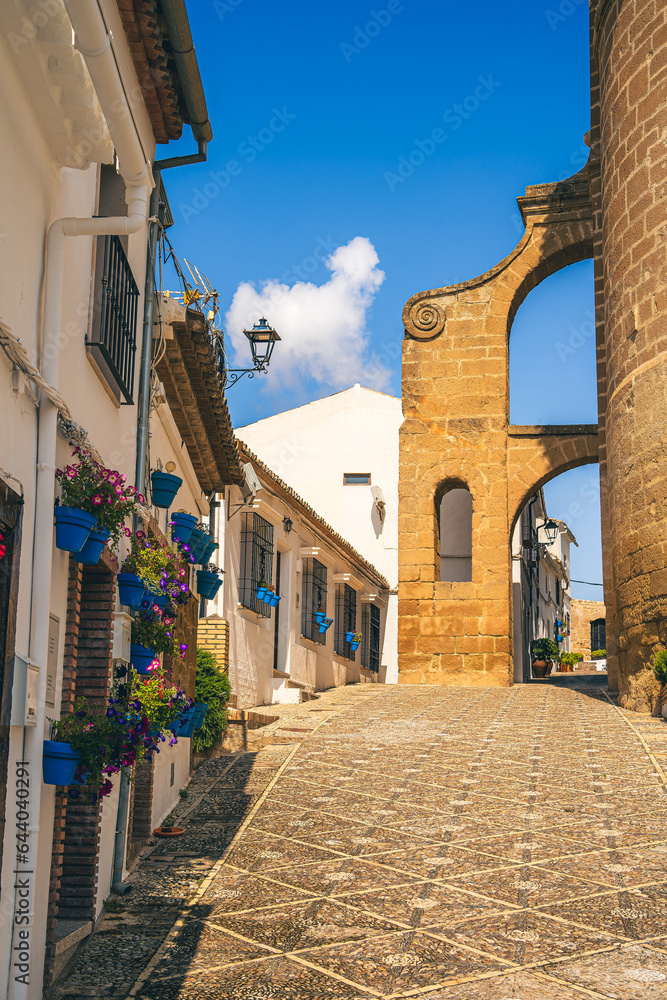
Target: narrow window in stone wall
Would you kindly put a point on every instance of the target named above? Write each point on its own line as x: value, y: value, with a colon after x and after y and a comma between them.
x: 370, y: 644
x: 256, y: 562
x: 456, y: 536
x: 313, y: 599
x: 345, y: 619
x: 598, y: 634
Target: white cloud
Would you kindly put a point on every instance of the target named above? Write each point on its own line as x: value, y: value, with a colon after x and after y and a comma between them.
x: 322, y: 328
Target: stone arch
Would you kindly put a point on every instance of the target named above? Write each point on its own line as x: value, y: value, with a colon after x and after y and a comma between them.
x: 456, y: 426
x: 538, y: 454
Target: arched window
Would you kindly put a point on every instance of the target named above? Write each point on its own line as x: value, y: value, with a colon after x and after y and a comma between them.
x: 456, y: 536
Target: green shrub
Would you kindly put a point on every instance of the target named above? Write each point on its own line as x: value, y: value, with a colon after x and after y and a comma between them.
x: 599, y: 654
x: 212, y: 687
x: 660, y: 665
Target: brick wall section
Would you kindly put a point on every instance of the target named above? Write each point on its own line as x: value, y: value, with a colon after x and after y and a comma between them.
x: 142, y: 805
x: 78, y: 887
x: 213, y: 635
x: 582, y: 613
x: 630, y: 47
x: 456, y: 432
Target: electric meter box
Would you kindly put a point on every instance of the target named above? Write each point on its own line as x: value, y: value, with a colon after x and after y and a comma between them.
x: 122, y: 636
x: 25, y: 691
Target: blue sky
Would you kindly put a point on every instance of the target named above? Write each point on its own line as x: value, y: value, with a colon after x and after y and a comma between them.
x: 315, y: 108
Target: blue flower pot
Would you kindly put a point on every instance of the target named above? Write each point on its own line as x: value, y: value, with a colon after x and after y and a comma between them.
x: 198, y: 541
x: 164, y: 487
x: 216, y: 587
x: 349, y: 637
x: 320, y: 617
x: 92, y: 550
x: 185, y: 724
x: 141, y: 657
x: 206, y: 582
x: 182, y: 527
x: 73, y: 528
x: 130, y: 590
x: 199, y: 713
x: 261, y: 593
x: 326, y: 624
x: 208, y: 552
x: 354, y: 646
x: 272, y: 600
x: 59, y: 763
x: 162, y: 600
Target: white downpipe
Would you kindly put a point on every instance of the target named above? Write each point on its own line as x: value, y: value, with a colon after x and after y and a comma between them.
x: 94, y: 42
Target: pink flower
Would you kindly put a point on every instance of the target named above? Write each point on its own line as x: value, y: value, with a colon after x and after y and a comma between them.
x: 119, y: 489
x: 97, y: 499
x: 72, y: 473
x: 141, y: 534
x: 127, y: 532
x: 153, y: 665
x: 141, y: 498
x: 131, y: 490
x: 123, y: 478
x: 112, y: 478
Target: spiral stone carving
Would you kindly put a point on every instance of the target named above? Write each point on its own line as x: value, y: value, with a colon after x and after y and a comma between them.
x: 426, y: 319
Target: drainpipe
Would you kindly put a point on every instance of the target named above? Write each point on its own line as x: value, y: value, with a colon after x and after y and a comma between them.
x: 93, y: 41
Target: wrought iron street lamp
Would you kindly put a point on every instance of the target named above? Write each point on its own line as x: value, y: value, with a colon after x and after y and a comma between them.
x: 551, y: 530
x: 262, y: 339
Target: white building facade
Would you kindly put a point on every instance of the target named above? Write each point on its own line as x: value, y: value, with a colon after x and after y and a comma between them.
x: 340, y: 454
x: 291, y: 648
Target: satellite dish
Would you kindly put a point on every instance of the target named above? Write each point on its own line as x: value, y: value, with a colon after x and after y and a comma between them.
x: 252, y: 485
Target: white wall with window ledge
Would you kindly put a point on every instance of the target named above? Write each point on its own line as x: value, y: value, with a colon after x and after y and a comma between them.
x: 275, y: 653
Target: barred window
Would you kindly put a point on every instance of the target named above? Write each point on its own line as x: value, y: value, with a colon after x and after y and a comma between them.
x: 598, y: 634
x: 346, y: 619
x: 256, y: 562
x: 313, y: 599
x: 370, y: 644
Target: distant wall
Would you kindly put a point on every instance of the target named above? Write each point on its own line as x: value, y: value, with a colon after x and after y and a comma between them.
x: 582, y: 613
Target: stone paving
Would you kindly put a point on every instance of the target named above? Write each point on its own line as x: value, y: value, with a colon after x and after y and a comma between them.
x: 476, y: 844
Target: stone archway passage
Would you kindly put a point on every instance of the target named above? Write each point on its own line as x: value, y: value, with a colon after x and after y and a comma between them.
x: 456, y: 429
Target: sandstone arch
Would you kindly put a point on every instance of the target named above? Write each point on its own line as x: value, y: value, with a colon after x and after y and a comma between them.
x: 456, y: 428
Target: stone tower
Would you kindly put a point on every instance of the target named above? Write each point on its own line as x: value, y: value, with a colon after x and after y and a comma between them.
x: 629, y: 191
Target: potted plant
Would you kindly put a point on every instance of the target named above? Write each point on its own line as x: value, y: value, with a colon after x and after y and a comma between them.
x: 182, y: 525
x: 354, y: 639
x: 320, y: 616
x: 101, y: 744
x: 543, y: 651
x: 152, y: 634
x: 660, y: 671
x: 158, y: 700
x: 261, y: 591
x: 326, y: 624
x: 599, y: 654
x: 164, y: 487
x: 101, y: 494
x: 567, y: 662
x: 208, y: 581
x: 157, y: 567
x: 199, y: 539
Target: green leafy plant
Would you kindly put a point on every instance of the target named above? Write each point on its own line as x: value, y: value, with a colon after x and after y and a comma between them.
x: 357, y: 637
x: 155, y: 630
x: 212, y: 687
x: 599, y: 654
x: 86, y: 484
x: 157, y: 699
x: 544, y: 649
x: 158, y: 566
x: 569, y: 658
x: 660, y: 665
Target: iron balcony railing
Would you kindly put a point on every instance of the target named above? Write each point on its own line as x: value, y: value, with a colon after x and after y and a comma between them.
x: 113, y: 342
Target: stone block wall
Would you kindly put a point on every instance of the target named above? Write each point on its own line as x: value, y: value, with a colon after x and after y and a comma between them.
x: 582, y: 613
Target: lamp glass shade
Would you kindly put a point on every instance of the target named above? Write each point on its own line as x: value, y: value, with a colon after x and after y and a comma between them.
x: 262, y: 338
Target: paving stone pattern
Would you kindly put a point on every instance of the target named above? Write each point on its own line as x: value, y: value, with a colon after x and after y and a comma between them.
x: 455, y: 844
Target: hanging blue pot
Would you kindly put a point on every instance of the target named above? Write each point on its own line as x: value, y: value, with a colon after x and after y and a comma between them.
x: 215, y: 588
x: 208, y: 552
x: 273, y: 600
x: 199, y: 713
x: 164, y: 487
x: 59, y: 763
x: 349, y: 637
x: 261, y: 593
x: 92, y: 550
x: 73, y: 528
x: 185, y: 724
x: 326, y: 624
x: 182, y: 526
x: 130, y: 590
x: 205, y: 583
x: 320, y: 617
x: 354, y: 646
x: 162, y: 600
x: 198, y: 542
x: 141, y: 657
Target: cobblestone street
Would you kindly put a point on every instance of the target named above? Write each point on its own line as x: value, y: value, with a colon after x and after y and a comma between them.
x: 477, y: 844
